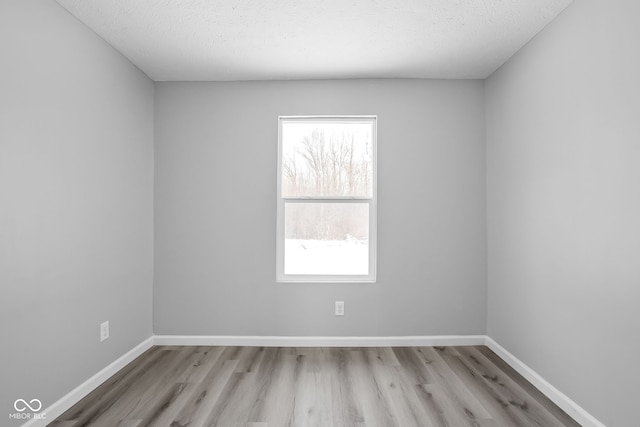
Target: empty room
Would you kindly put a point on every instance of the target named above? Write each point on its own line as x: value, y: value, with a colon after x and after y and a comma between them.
x: 320, y: 213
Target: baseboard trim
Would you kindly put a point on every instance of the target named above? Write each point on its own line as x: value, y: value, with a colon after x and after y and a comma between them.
x: 74, y: 396
x: 293, y: 341
x: 574, y: 410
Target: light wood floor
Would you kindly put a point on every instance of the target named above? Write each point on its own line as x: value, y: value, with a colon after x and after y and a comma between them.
x: 324, y: 387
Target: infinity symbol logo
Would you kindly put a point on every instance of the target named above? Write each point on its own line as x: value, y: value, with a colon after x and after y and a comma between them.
x: 21, y: 405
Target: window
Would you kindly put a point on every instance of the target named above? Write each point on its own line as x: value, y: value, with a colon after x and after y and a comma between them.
x: 326, y: 199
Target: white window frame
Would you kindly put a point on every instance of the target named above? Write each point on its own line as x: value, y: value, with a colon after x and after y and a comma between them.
x: 371, y: 201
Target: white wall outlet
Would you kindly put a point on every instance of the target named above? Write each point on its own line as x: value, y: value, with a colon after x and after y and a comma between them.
x: 339, y: 308
x: 104, y: 330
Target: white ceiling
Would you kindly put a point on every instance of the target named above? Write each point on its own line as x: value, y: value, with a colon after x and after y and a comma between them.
x: 201, y: 40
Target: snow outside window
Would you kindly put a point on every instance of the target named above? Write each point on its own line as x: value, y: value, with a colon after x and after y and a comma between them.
x: 326, y: 199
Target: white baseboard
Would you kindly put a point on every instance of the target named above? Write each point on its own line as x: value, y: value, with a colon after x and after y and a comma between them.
x: 281, y: 341
x: 75, y: 395
x: 574, y: 410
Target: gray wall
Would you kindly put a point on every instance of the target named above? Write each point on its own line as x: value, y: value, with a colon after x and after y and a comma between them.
x: 76, y: 208
x: 215, y: 204
x: 563, y: 162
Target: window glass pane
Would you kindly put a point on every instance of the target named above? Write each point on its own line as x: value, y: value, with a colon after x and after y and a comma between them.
x: 326, y: 238
x: 327, y: 159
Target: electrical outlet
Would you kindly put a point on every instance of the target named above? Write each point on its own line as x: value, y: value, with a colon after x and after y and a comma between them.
x: 339, y: 308
x: 104, y: 330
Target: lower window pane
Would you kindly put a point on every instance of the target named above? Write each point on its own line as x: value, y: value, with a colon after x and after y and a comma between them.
x: 326, y: 238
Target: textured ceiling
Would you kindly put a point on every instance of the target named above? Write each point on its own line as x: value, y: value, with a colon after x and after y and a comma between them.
x: 185, y: 40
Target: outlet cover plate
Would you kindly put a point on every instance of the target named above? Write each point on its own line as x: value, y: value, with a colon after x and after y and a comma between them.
x: 104, y: 330
x: 339, y: 308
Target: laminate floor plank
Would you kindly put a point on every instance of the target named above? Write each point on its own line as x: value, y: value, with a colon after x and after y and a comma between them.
x: 413, y: 366
x: 315, y: 404
x: 467, y: 402
x: 144, y: 393
x: 405, y: 402
x: 527, y: 386
x: 170, y: 407
x: 97, y: 404
x: 261, y: 384
x: 200, y: 363
x: 441, y: 408
x: 164, y: 384
x: 85, y: 412
x: 347, y: 408
x: 176, y: 386
x: 228, y: 409
x: 447, y: 391
x: 495, y: 405
x: 206, y: 394
x: 511, y: 391
x: 278, y: 404
x: 399, y: 394
x: 375, y: 405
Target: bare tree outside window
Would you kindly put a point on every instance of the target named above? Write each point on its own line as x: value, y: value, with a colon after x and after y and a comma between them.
x: 327, y: 161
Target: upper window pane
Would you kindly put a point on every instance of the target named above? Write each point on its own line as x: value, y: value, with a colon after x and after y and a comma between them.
x: 327, y: 158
